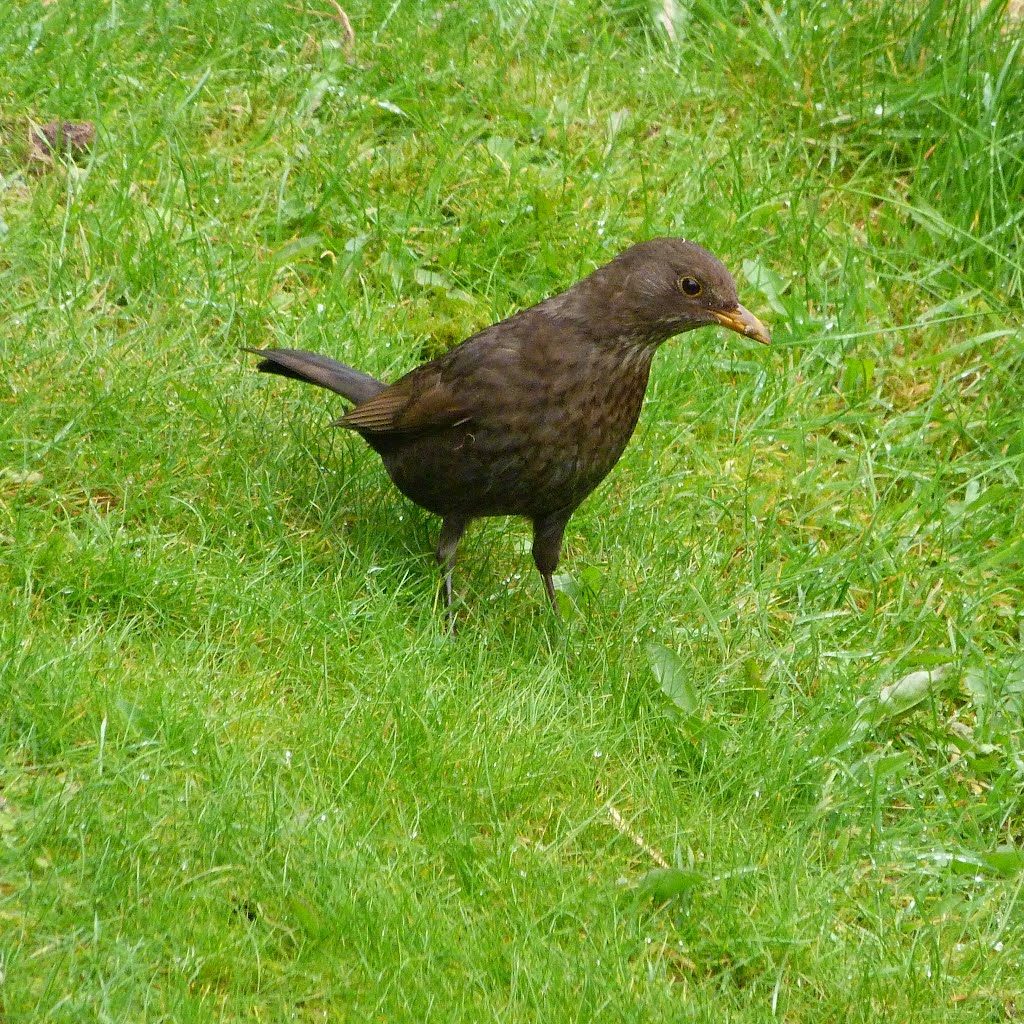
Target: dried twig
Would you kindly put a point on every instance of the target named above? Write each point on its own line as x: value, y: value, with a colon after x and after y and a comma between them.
x: 350, y: 35
x: 620, y: 823
x: 338, y: 15
x: 666, y: 18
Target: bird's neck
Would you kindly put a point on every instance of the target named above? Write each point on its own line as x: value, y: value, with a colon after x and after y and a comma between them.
x: 609, y: 313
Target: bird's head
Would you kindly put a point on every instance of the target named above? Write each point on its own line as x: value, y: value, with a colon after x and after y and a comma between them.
x: 666, y: 286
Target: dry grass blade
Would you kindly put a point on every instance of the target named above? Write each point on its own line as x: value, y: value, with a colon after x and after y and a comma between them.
x: 638, y: 840
x: 338, y: 15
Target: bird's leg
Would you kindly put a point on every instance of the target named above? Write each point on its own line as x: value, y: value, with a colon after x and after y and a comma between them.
x: 547, y: 549
x: 452, y: 528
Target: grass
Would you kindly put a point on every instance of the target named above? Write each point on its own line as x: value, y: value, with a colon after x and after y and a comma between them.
x: 244, y: 775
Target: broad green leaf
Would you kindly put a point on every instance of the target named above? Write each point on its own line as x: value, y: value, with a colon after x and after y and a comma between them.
x: 1006, y: 862
x: 912, y: 689
x: 770, y: 284
x: 857, y: 376
x: 672, y: 677
x: 299, y: 246
x: 430, y: 279
x: 663, y: 884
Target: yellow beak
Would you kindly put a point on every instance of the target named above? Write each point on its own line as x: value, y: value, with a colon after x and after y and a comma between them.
x: 742, y: 321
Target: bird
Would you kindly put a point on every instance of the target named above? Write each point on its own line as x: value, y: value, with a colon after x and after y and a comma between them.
x: 526, y: 417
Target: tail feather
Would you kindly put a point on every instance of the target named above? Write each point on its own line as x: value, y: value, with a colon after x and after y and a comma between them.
x: 327, y: 373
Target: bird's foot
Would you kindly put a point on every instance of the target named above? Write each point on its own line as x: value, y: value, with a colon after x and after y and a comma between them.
x: 549, y: 586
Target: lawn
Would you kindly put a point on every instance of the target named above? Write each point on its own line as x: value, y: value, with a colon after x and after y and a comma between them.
x: 771, y: 765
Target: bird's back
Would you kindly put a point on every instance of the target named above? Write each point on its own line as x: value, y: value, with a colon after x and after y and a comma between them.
x: 524, y: 418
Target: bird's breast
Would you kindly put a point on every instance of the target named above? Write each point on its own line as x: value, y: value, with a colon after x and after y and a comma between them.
x: 538, y: 439
x: 568, y: 420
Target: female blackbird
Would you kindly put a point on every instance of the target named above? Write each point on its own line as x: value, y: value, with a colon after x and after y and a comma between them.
x: 527, y: 417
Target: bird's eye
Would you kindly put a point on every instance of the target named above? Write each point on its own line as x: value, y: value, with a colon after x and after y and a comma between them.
x: 690, y: 286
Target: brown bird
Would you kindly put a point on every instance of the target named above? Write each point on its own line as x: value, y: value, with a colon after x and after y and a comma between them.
x: 527, y: 417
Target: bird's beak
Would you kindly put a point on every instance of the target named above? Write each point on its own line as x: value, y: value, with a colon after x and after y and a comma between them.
x: 742, y: 321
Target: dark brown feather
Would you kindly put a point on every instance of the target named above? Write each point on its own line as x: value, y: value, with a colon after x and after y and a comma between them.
x: 529, y: 415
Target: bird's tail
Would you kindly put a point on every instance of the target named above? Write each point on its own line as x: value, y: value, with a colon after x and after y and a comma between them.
x: 320, y: 370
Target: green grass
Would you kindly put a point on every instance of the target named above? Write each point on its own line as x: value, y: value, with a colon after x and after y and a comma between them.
x: 243, y: 773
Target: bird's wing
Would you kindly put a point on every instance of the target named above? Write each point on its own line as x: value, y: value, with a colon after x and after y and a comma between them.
x: 453, y: 389
x: 419, y: 401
